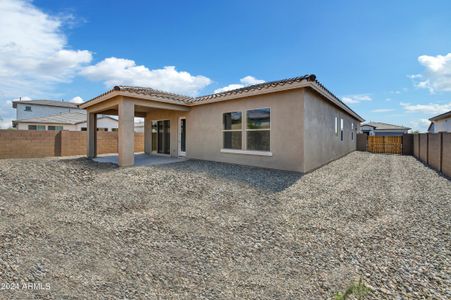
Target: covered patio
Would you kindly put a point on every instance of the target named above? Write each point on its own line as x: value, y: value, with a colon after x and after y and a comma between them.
x: 128, y: 103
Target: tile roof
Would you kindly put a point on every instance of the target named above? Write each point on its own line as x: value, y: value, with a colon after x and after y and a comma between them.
x: 56, y: 103
x: 255, y: 87
x: 62, y: 118
x: 181, y: 99
x: 385, y: 126
x: 186, y: 99
x: 441, y: 116
x: 150, y: 92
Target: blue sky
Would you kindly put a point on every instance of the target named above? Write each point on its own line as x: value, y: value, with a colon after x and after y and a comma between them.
x: 389, y: 60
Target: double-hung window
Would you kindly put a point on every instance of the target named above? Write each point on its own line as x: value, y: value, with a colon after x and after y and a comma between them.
x: 336, y: 126
x: 258, y: 129
x: 51, y: 127
x: 232, y: 130
x: 341, y: 129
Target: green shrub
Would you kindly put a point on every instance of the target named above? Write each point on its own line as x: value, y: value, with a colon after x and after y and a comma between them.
x: 358, y: 289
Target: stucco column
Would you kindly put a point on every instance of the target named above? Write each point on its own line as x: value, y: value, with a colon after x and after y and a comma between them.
x: 92, y: 134
x: 148, y: 134
x: 126, y: 133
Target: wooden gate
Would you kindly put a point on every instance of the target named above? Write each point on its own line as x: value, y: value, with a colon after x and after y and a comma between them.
x: 385, y: 144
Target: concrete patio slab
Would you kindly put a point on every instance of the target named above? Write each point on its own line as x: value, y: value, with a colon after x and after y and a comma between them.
x: 141, y: 159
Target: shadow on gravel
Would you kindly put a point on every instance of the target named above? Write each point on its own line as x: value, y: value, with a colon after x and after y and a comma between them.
x: 266, y: 179
x: 86, y: 163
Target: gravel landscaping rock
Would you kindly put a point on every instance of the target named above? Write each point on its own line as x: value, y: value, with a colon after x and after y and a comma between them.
x: 209, y: 230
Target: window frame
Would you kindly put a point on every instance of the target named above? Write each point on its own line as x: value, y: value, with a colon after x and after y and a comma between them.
x: 341, y: 129
x: 233, y: 130
x: 336, y: 125
x: 259, y: 129
x: 56, y: 127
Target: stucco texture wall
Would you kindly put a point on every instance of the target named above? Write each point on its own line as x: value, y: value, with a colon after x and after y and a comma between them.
x: 321, y: 144
x: 205, y: 135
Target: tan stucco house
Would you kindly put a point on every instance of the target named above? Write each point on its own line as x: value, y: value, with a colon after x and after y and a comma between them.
x: 292, y: 124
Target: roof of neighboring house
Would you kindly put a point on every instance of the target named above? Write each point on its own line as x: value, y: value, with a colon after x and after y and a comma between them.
x: 251, y: 90
x: 71, y: 118
x: 56, y: 103
x: 441, y: 116
x: 385, y: 126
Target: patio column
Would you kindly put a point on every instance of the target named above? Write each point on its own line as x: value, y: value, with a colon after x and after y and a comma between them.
x: 148, y: 134
x: 126, y: 133
x: 92, y: 134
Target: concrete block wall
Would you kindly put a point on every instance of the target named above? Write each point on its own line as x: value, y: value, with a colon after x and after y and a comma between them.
x: 423, y: 156
x: 27, y: 144
x: 362, y: 141
x: 434, y: 149
x: 36, y: 144
x: 446, y: 154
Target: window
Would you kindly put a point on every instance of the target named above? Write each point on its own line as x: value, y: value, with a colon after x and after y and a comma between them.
x: 36, y: 127
x: 336, y: 126
x: 258, y: 129
x: 102, y: 129
x: 232, y: 131
x: 352, y: 131
x: 51, y: 127
x: 341, y: 129
x: 113, y: 129
x: 84, y: 129
x: 27, y: 108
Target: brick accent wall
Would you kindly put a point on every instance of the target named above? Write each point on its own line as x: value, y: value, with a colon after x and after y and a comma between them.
x: 35, y: 144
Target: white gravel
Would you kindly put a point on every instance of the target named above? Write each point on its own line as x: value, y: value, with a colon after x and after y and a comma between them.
x: 209, y: 230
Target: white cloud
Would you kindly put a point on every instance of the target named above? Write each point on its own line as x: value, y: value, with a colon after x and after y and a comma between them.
x: 34, y: 53
x: 421, y: 125
x: 245, y: 81
x: 354, y: 99
x: 382, y: 110
x: 118, y: 71
x: 430, y: 108
x: 77, y: 100
x: 437, y: 76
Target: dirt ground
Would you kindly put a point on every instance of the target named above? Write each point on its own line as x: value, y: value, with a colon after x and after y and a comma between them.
x: 72, y: 228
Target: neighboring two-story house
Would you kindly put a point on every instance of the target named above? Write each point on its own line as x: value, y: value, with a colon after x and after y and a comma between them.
x: 56, y: 115
x: 440, y: 123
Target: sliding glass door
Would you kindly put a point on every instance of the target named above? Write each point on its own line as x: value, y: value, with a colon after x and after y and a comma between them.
x: 161, y: 137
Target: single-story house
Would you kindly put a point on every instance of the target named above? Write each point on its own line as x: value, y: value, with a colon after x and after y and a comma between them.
x: 440, y: 123
x: 292, y: 124
x: 385, y: 129
x: 71, y: 121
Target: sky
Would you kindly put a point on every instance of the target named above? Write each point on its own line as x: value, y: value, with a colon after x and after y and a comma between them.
x: 390, y: 61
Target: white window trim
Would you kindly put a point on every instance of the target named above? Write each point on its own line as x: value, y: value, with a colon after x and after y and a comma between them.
x: 247, y: 152
x: 262, y: 129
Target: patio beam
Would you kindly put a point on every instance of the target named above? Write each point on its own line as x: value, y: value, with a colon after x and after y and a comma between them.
x: 126, y: 133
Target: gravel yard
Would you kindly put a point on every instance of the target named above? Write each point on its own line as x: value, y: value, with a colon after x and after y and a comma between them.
x: 200, y: 229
